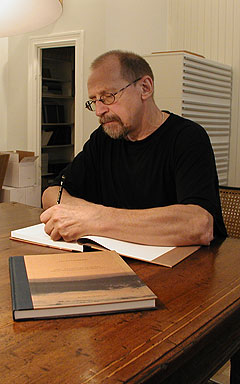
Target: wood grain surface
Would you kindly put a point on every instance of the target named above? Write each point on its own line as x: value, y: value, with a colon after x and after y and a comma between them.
x: 193, y: 331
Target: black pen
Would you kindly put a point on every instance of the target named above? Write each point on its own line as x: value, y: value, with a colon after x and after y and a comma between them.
x: 60, y: 189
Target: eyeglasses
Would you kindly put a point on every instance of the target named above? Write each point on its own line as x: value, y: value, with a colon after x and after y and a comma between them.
x: 107, y: 98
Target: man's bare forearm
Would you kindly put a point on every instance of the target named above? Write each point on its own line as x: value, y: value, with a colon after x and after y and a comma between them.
x: 50, y: 196
x: 173, y: 225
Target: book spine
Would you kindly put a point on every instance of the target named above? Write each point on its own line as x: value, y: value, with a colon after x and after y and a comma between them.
x: 21, y: 294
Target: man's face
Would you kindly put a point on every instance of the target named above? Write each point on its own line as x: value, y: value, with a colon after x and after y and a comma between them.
x: 121, y: 117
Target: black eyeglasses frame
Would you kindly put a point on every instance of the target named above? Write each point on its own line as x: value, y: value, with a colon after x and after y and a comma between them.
x: 91, y: 104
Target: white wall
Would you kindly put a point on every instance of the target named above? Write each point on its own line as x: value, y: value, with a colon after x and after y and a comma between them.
x: 212, y: 28
x: 87, y: 15
x: 208, y: 27
x: 136, y: 25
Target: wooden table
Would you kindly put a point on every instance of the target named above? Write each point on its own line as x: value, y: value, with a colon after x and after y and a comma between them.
x: 194, y: 330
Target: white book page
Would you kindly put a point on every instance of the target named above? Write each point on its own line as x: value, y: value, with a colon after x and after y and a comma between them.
x: 138, y: 251
x: 36, y: 234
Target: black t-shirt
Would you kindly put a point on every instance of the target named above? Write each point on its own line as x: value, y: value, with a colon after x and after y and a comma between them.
x: 174, y: 165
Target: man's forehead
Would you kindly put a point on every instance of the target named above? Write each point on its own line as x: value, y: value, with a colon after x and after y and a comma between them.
x: 107, y: 64
x: 105, y: 76
x: 109, y: 67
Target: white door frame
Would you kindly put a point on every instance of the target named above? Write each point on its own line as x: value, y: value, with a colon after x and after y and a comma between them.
x: 35, y: 92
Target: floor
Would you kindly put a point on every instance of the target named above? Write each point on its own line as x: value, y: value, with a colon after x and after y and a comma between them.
x: 223, y: 375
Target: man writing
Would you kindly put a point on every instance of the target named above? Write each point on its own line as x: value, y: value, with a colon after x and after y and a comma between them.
x: 145, y: 175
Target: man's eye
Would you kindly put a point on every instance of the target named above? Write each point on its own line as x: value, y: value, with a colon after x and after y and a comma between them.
x: 108, y: 98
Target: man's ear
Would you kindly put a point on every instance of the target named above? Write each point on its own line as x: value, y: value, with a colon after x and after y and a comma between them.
x: 147, y: 87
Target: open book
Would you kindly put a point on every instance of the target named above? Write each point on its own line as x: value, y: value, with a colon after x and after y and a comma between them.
x: 165, y: 256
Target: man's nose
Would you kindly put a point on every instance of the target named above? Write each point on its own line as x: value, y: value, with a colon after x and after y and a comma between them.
x: 101, y: 108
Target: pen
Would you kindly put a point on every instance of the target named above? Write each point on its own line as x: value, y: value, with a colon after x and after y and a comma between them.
x: 60, y: 189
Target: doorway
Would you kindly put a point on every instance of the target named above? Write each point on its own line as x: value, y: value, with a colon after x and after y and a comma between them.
x: 58, y: 111
x: 55, y: 126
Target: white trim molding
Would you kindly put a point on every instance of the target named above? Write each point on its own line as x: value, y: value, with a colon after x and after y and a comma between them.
x: 36, y: 44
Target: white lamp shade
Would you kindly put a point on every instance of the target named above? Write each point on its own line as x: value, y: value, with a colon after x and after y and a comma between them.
x: 20, y: 16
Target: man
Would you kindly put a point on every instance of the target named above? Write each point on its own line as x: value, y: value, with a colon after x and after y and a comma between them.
x: 145, y: 175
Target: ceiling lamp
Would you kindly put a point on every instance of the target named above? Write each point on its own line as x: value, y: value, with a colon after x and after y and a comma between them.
x: 20, y: 16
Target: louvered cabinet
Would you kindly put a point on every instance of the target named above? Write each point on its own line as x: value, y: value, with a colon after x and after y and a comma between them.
x: 200, y: 90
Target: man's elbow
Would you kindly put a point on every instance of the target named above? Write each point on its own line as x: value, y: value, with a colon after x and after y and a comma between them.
x: 205, y: 227
x: 49, y: 197
x: 45, y: 203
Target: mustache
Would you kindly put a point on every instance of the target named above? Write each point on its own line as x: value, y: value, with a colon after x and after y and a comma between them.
x: 109, y: 119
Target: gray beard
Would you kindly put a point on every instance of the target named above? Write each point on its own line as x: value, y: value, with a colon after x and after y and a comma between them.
x: 120, y: 133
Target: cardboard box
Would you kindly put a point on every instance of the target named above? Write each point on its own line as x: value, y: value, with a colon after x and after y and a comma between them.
x: 25, y: 195
x: 21, y: 170
x: 4, y: 157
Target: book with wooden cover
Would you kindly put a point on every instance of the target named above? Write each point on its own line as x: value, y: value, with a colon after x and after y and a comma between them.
x: 75, y: 284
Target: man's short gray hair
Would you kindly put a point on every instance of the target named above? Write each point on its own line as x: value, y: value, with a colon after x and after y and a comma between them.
x: 132, y: 65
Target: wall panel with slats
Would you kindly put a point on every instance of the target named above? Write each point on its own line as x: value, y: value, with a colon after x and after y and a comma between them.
x: 211, y: 28
x: 199, y: 90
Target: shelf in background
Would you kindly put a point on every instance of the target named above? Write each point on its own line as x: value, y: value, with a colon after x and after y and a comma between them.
x: 48, y: 174
x: 58, y: 111
x: 57, y: 146
x: 48, y: 79
x: 56, y: 96
x: 55, y: 124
